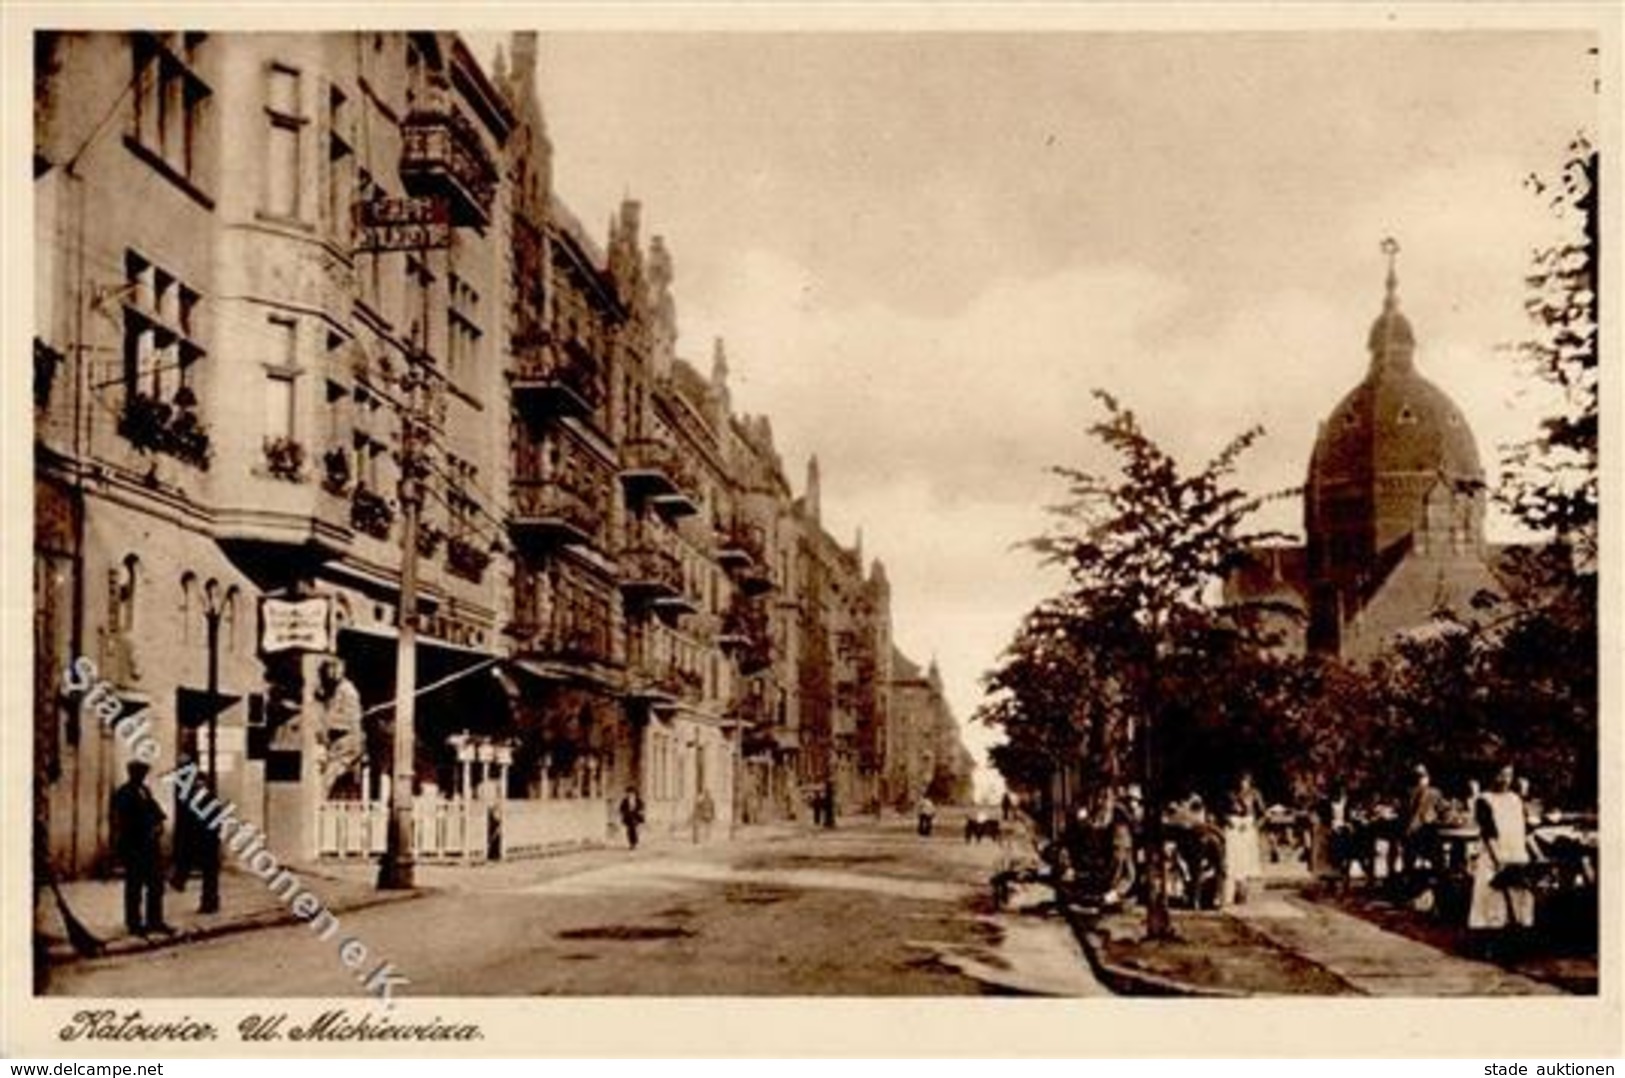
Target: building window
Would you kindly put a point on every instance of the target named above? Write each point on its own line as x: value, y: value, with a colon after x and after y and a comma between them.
x: 125, y: 579
x: 281, y: 374
x: 462, y: 326
x: 169, y: 99
x: 286, y: 123
x: 340, y: 168
x: 160, y: 323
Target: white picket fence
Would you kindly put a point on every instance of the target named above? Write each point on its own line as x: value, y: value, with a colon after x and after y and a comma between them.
x: 441, y: 830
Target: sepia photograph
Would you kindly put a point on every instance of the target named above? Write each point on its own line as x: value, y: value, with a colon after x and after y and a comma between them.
x: 759, y: 511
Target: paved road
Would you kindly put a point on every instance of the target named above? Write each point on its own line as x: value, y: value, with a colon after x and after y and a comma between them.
x: 864, y: 910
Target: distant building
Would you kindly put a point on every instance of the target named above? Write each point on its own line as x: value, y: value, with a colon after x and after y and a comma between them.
x: 1393, y: 510
x: 928, y: 757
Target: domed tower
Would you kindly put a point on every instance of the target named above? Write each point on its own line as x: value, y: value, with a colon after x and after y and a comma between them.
x: 1394, y: 478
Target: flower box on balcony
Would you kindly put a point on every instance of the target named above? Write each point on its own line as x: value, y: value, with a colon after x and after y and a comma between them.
x: 285, y: 459
x: 466, y: 560
x: 336, y: 472
x: 169, y: 427
x: 370, y: 513
x: 429, y: 539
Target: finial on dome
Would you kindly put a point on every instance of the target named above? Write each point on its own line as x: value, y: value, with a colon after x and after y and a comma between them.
x: 1391, y: 340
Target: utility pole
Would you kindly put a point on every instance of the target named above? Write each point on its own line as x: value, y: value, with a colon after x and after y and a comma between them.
x: 397, y: 869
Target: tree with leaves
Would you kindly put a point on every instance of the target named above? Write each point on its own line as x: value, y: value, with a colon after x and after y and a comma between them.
x: 1551, y: 480
x: 1146, y: 548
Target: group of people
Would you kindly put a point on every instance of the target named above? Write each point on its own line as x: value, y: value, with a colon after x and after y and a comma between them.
x: 1210, y: 859
x: 633, y: 812
x: 1409, y: 843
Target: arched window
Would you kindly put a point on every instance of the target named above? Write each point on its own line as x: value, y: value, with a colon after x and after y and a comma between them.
x: 125, y: 580
x: 189, y: 604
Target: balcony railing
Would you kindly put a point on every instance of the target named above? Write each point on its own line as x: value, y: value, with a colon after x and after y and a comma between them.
x: 747, y: 636
x: 547, y: 509
x: 569, y: 642
x: 442, y: 154
x: 740, y: 546
x: 650, y: 573
x: 657, y: 684
x: 550, y: 380
x: 655, y: 470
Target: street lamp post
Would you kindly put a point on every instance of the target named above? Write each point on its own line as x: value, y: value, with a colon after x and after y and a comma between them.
x: 216, y: 604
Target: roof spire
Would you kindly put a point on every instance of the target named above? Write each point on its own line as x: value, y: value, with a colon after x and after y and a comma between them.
x: 1390, y: 247
x: 1391, y: 341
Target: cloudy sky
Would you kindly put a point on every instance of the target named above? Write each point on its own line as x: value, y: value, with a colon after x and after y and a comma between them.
x: 925, y: 250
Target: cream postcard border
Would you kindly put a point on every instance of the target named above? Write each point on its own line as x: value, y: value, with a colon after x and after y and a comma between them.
x: 1565, y: 1028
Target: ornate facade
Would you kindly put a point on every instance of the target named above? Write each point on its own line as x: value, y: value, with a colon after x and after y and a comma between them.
x: 241, y: 344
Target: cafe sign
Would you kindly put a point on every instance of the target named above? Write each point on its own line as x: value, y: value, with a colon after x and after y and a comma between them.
x: 403, y: 224
x: 296, y: 624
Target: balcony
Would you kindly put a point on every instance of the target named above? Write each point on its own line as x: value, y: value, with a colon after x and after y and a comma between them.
x: 570, y: 644
x: 443, y: 156
x: 740, y: 547
x: 657, y: 685
x: 745, y: 635
x: 548, y: 511
x: 654, y: 470
x: 651, y: 574
x: 550, y: 381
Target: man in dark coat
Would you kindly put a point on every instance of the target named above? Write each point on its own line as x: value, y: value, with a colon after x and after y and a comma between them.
x: 138, y: 832
x: 631, y: 816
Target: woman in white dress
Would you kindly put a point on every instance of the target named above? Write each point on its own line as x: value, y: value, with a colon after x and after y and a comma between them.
x: 1242, y: 862
x: 1500, y: 897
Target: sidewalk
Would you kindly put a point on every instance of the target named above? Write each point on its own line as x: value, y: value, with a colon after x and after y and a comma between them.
x: 245, y: 903
x: 343, y: 886
x: 1283, y: 944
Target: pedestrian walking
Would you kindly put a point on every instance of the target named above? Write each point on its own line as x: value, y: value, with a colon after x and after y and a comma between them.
x: 1007, y: 807
x: 927, y: 817
x: 138, y: 833
x: 631, y: 816
x: 829, y: 803
x: 705, y: 813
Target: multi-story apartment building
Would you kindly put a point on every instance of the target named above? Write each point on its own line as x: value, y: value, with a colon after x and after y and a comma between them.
x: 926, y: 757
x: 242, y: 343
x: 229, y: 329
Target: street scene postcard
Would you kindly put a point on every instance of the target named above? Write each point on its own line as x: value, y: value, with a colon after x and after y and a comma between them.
x: 811, y: 531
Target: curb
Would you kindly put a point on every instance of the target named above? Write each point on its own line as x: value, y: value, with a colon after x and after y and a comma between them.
x: 120, y: 946
x: 1126, y: 981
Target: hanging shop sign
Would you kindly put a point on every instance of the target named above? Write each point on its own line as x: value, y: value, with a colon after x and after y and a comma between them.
x: 403, y: 224
x: 296, y: 624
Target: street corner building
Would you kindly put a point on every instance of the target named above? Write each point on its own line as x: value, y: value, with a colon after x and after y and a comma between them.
x: 289, y: 283
x: 1394, y: 506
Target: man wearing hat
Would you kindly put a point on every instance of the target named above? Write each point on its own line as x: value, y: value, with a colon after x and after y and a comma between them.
x: 138, y: 833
